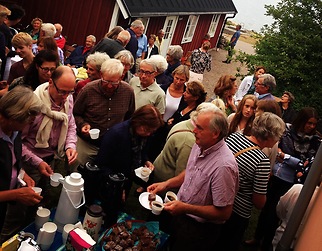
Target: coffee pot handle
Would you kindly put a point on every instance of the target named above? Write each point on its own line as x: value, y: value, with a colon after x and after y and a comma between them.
x: 71, y: 201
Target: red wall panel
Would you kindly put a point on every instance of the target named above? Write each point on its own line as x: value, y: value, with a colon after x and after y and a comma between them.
x: 78, y: 18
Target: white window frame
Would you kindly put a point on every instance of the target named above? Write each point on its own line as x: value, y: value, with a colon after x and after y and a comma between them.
x: 190, y: 29
x: 213, y: 25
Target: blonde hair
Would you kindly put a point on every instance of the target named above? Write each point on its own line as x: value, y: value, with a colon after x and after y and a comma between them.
x: 4, y: 11
x: 36, y: 19
x: 220, y: 104
x: 21, y: 39
x: 19, y: 104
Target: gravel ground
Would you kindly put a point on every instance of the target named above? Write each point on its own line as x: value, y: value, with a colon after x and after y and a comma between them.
x: 218, y: 68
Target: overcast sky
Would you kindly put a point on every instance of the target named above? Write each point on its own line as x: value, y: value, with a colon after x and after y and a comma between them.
x: 251, y: 13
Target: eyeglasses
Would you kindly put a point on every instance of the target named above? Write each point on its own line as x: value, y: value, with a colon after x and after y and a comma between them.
x: 110, y: 82
x: 257, y: 83
x: 46, y: 69
x: 147, y: 73
x: 62, y: 92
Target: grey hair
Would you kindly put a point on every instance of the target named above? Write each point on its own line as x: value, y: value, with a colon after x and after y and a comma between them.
x: 161, y: 31
x: 19, y: 104
x: 97, y: 58
x: 113, y: 67
x: 269, y: 81
x: 151, y: 62
x: 175, y: 51
x: 126, y: 56
x: 137, y: 23
x: 218, y: 122
x: 49, y: 29
x: 160, y: 62
x: 92, y: 37
x: 268, y: 125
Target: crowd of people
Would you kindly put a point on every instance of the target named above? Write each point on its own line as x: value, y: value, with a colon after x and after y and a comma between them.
x: 243, y: 148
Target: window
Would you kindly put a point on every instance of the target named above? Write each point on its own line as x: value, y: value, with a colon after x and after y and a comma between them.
x: 213, y: 25
x: 190, y: 28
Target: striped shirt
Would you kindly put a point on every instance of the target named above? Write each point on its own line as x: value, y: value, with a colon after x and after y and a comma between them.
x: 254, y: 169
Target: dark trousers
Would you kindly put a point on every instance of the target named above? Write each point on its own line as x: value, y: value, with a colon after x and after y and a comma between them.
x: 190, y: 235
x: 232, y: 233
x: 268, y: 220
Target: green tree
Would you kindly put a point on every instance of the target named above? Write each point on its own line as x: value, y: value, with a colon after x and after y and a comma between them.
x: 291, y: 49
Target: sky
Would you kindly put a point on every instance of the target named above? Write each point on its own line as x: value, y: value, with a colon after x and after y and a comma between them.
x: 251, y: 13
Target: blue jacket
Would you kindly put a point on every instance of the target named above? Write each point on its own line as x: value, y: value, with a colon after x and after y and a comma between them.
x: 77, y: 57
x: 115, y: 154
x: 296, y: 149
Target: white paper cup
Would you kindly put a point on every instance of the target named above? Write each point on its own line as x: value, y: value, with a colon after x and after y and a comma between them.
x: 66, y: 230
x: 42, y: 216
x: 145, y: 172
x: 54, y: 179
x: 46, y: 235
x: 170, y: 196
x: 94, y: 133
x: 156, y: 207
x: 37, y: 190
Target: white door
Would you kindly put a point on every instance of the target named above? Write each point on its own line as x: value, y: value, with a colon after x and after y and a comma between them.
x: 169, y: 26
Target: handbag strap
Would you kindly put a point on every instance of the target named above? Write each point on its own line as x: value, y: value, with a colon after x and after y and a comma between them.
x: 245, y: 150
x: 182, y: 130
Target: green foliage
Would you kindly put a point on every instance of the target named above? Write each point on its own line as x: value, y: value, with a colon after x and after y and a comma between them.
x: 291, y: 50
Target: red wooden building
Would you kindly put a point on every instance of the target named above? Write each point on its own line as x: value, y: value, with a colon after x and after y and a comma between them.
x: 184, y: 21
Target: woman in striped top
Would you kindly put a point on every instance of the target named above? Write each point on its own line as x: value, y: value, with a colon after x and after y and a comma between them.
x: 254, y: 170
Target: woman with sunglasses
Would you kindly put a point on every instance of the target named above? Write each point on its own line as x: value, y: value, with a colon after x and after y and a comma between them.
x: 40, y: 70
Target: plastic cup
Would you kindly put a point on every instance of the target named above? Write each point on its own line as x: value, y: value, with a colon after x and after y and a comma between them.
x: 156, y: 207
x: 145, y: 172
x: 66, y: 230
x: 54, y: 179
x: 170, y: 196
x: 42, y: 216
x: 37, y: 190
x: 94, y: 133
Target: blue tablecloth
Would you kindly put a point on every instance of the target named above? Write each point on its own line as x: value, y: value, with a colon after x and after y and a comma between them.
x: 58, y: 241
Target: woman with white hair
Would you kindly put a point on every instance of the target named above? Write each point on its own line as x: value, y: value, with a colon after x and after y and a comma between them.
x: 161, y: 64
x: 127, y: 60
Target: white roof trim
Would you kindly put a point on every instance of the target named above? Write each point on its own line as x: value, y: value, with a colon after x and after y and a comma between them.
x: 123, y: 9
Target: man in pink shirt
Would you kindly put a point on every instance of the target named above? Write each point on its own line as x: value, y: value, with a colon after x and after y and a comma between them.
x: 51, y: 138
x: 207, y: 187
